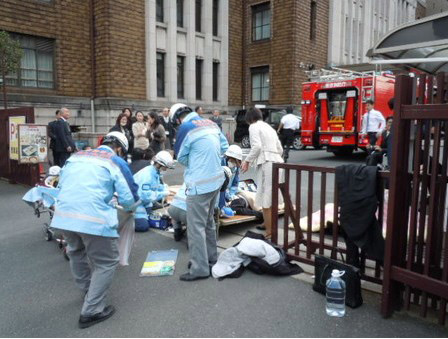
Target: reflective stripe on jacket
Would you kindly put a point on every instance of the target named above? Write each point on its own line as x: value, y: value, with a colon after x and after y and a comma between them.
x: 87, y: 184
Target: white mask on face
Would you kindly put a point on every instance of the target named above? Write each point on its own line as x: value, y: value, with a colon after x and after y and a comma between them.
x: 231, y: 165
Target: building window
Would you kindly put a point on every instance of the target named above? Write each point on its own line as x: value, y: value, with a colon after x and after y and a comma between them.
x: 215, y: 17
x: 261, y: 22
x: 313, y: 13
x: 180, y: 13
x: 36, y: 66
x: 215, y: 81
x: 161, y: 75
x: 198, y: 12
x: 159, y: 11
x: 180, y: 77
x: 199, y: 64
x: 260, y: 84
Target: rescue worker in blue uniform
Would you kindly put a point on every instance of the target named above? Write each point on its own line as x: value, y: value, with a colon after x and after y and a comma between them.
x: 151, y: 188
x: 232, y: 159
x: 89, y: 221
x: 199, y: 147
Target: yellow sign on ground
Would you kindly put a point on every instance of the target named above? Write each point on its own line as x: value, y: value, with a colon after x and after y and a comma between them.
x: 13, y: 136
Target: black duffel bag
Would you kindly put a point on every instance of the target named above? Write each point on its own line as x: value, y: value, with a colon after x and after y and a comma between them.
x: 323, y: 267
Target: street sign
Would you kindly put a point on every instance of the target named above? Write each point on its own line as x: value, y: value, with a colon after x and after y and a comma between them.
x: 13, y: 136
x: 33, y: 143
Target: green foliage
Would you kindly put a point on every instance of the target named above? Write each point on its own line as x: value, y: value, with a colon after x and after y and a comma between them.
x: 10, y: 54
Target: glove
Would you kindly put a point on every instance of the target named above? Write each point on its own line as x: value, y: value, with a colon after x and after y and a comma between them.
x: 227, y: 212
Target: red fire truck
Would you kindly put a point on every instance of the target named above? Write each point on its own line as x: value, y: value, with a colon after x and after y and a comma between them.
x: 333, y: 103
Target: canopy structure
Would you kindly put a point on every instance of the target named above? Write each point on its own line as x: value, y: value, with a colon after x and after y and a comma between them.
x: 422, y: 44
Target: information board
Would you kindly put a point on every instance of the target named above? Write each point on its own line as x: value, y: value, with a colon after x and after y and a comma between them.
x: 33, y: 143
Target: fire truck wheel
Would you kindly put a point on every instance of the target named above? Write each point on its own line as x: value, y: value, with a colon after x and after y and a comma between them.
x: 245, y: 142
x: 297, y: 143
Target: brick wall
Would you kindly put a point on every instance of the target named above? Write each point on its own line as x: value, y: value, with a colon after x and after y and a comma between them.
x: 120, y: 48
x: 235, y: 52
x: 66, y: 21
x: 289, y: 45
x: 119, y: 45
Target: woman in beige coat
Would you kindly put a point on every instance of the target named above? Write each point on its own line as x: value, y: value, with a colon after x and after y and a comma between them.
x: 265, y: 150
x: 139, y: 128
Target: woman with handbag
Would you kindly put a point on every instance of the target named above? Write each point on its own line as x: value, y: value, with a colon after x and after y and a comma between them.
x: 266, y: 149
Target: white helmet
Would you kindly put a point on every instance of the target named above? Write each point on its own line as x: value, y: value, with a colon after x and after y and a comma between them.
x: 227, y: 171
x: 235, y: 151
x: 119, y: 137
x: 164, y: 159
x: 54, y: 170
x: 177, y: 110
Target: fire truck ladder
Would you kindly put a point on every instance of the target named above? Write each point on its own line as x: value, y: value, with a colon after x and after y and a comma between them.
x: 335, y: 74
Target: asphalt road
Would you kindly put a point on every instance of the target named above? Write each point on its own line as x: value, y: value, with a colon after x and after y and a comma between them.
x: 39, y: 298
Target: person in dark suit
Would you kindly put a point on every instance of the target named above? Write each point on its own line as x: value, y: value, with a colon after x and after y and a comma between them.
x: 52, y: 135
x: 64, y: 145
x: 169, y: 129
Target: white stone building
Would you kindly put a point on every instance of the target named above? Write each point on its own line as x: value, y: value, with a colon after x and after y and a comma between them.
x: 356, y: 25
x: 187, y: 52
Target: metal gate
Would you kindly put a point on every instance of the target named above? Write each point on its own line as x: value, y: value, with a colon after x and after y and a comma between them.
x: 11, y: 169
x: 416, y: 257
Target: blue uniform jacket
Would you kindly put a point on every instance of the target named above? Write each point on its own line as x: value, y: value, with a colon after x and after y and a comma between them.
x: 150, y: 189
x: 87, y: 184
x: 200, y: 146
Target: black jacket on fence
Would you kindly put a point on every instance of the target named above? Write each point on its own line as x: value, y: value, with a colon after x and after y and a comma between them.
x: 358, y: 201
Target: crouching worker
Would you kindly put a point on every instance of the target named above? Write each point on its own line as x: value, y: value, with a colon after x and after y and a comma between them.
x: 151, y: 188
x: 89, y: 222
x: 178, y: 212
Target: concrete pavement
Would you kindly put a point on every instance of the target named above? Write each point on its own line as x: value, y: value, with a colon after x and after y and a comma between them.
x: 39, y: 298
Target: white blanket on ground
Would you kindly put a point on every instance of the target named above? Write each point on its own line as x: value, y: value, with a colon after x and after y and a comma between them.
x: 232, y: 258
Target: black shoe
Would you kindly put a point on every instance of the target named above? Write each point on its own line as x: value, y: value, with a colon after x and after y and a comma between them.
x: 261, y: 228
x: 190, y: 277
x: 85, y: 322
x: 178, y: 234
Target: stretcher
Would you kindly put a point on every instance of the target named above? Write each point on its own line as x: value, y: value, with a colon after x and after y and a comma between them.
x: 237, y: 219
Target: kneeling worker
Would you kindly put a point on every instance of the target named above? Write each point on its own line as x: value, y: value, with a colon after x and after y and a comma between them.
x: 151, y: 188
x: 89, y: 222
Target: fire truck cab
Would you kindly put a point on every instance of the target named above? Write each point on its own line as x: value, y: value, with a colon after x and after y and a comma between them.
x: 334, y: 102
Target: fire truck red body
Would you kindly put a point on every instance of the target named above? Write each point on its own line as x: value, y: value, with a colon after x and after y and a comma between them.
x: 333, y: 105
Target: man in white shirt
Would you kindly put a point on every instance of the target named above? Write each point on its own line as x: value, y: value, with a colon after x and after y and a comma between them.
x: 288, y: 124
x: 373, y: 124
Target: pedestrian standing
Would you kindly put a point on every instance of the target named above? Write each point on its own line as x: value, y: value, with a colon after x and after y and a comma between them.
x: 64, y: 145
x: 52, y: 135
x: 265, y: 150
x: 121, y: 125
x: 373, y: 124
x: 89, y: 222
x: 288, y: 125
x: 155, y: 133
x: 199, y: 110
x: 199, y: 147
x: 216, y: 118
x: 169, y: 129
x: 139, y: 129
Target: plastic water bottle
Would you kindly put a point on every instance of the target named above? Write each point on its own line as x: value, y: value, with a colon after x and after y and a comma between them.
x: 335, y: 294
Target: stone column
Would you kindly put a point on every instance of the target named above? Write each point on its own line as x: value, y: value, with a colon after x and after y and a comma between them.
x: 223, y: 17
x: 171, y: 51
x: 190, y: 66
x: 207, y: 27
